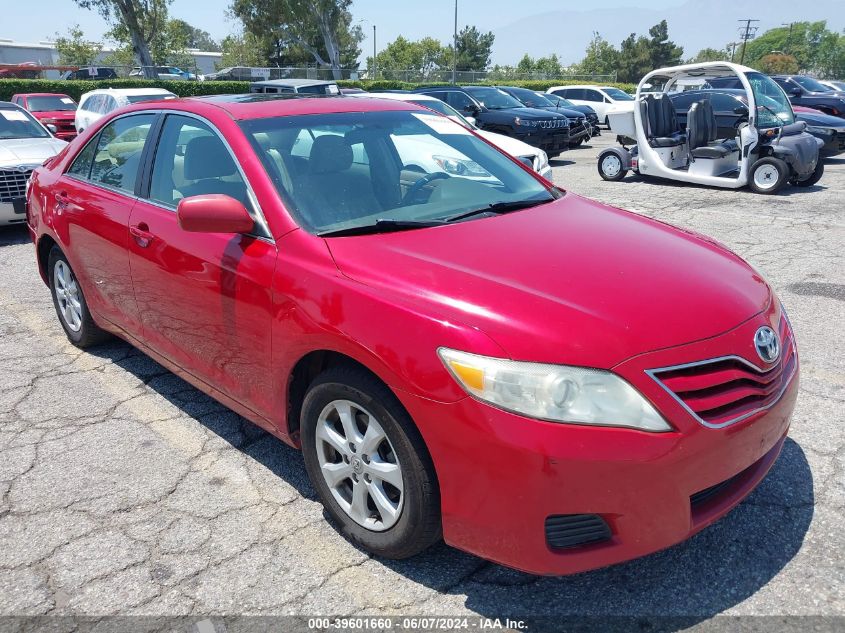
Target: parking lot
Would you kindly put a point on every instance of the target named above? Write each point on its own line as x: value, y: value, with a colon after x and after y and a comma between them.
x: 124, y: 490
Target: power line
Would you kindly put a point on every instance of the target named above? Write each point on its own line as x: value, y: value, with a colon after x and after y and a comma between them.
x: 745, y: 34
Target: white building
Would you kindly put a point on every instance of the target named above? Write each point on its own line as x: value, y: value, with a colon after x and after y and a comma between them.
x: 44, y: 53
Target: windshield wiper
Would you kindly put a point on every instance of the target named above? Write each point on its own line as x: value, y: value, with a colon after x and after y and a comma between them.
x: 384, y: 225
x: 498, y: 208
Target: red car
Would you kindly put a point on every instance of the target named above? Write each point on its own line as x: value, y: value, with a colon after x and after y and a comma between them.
x: 52, y: 109
x: 464, y: 350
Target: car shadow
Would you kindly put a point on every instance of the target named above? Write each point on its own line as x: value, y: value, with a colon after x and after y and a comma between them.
x: 668, y: 591
x: 560, y: 162
x: 14, y: 234
x: 787, y: 190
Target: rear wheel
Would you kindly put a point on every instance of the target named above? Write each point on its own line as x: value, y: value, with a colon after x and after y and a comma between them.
x: 813, y: 178
x: 70, y: 303
x: 369, y: 464
x: 768, y: 175
x: 611, y: 167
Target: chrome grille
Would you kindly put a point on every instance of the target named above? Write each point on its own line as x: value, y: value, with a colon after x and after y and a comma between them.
x: 722, y: 391
x: 553, y: 124
x: 13, y: 184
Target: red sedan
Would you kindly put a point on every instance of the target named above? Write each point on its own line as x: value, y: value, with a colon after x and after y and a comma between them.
x: 52, y: 109
x: 459, y: 347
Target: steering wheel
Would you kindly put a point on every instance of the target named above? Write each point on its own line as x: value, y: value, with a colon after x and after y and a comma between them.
x: 422, y: 182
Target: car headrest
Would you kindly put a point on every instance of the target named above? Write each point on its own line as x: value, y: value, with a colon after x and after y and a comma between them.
x: 330, y: 153
x: 207, y: 157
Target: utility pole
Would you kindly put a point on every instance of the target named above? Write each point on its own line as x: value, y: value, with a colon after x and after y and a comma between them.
x: 375, y: 63
x: 746, y: 34
x: 788, y: 46
x: 455, y: 48
x: 733, y: 46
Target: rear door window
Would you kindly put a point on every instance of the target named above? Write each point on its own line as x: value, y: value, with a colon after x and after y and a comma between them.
x: 118, y: 154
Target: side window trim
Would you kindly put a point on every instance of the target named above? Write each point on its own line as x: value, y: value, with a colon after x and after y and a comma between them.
x: 94, y: 139
x: 147, y: 165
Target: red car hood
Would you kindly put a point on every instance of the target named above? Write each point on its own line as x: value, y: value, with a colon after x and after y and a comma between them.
x: 572, y: 281
x: 55, y: 114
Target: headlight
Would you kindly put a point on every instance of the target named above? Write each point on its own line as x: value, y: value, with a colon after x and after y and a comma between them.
x: 558, y: 393
x: 460, y: 167
x: 824, y: 131
x: 524, y: 122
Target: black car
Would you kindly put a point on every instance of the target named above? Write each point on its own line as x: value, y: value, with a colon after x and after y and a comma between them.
x: 497, y: 111
x: 579, y: 129
x: 587, y: 111
x: 801, y: 90
x: 731, y: 109
x: 92, y: 72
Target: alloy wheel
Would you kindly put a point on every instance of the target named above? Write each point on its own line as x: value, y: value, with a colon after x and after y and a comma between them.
x: 67, y: 296
x: 359, y: 465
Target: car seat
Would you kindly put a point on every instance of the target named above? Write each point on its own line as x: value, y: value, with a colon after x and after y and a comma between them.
x: 661, y: 121
x: 331, y: 192
x: 701, y: 132
x: 208, y: 164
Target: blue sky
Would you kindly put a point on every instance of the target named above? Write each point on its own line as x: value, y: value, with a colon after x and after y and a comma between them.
x: 392, y: 17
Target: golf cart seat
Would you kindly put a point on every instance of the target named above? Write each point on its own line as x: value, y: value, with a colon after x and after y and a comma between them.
x: 662, y: 121
x: 701, y: 131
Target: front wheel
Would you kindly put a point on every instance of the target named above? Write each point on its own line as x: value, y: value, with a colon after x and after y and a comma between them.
x: 369, y: 464
x: 812, y: 179
x: 768, y: 175
x: 611, y: 167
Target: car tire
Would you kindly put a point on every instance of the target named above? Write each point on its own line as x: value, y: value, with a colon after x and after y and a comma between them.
x: 610, y: 167
x: 352, y: 402
x: 70, y: 304
x: 813, y: 178
x: 768, y: 175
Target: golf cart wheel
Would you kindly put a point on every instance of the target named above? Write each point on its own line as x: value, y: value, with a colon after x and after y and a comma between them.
x: 611, y: 167
x: 768, y: 175
x: 812, y: 179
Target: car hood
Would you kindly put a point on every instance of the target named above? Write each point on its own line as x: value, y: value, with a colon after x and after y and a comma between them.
x: 509, y: 145
x: 529, y: 113
x: 55, y: 114
x: 29, y: 150
x: 821, y: 119
x: 572, y: 281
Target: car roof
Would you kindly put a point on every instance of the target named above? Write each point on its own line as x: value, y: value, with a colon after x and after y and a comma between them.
x: 41, y: 94
x: 293, y: 82
x: 8, y: 105
x: 396, y: 96
x: 260, y: 106
x: 129, y: 92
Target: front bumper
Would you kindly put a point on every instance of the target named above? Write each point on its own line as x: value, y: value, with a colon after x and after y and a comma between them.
x: 502, y: 475
x: 12, y: 213
x: 553, y: 142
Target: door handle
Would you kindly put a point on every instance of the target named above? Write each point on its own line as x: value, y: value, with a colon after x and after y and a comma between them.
x: 64, y: 203
x: 141, y: 234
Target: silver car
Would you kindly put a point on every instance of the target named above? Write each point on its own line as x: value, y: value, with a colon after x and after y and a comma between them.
x: 24, y: 145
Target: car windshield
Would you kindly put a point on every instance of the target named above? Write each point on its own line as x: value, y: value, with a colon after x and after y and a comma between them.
x: 157, y: 97
x: 50, y: 103
x: 531, y: 98
x: 494, y: 99
x: 617, y: 95
x: 808, y: 83
x: 445, y: 109
x: 559, y: 101
x: 773, y: 109
x: 373, y: 171
x: 16, y: 123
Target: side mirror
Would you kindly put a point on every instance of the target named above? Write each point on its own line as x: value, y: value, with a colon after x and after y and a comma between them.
x: 796, y: 92
x: 740, y: 110
x: 213, y: 213
x: 470, y: 119
x: 472, y: 109
x: 53, y: 129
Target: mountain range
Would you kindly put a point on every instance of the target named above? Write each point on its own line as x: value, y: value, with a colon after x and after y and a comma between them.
x: 696, y: 24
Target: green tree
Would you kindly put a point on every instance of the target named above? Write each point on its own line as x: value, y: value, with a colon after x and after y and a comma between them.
x: 635, y: 58
x: 424, y: 57
x: 75, y: 50
x: 192, y: 37
x: 662, y: 51
x: 815, y: 48
x: 601, y: 58
x: 710, y: 55
x: 321, y: 28
x: 142, y: 20
x: 243, y: 50
x: 474, y: 49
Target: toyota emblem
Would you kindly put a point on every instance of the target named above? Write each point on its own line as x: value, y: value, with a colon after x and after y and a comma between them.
x: 767, y: 344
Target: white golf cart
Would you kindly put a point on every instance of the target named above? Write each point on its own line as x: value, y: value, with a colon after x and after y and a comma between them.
x: 768, y: 150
